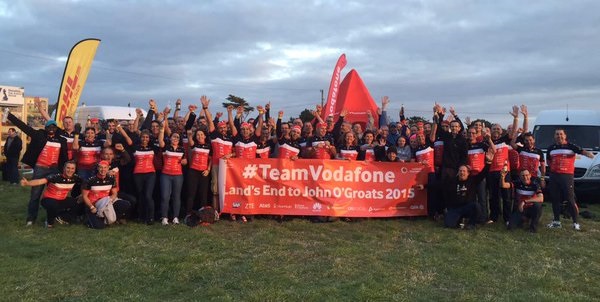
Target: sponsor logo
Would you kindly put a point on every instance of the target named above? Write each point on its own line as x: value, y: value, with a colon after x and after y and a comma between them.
x: 264, y: 205
x: 236, y: 205
x: 317, y: 206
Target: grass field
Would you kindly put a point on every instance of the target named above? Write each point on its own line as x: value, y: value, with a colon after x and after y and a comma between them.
x: 371, y: 260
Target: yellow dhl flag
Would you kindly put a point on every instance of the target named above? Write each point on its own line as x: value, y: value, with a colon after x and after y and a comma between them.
x: 77, y: 69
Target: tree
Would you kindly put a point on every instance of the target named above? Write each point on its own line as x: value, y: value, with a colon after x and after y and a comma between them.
x: 415, y: 119
x: 306, y: 115
x: 236, y: 102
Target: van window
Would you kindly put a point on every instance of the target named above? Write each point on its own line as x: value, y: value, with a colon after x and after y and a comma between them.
x: 587, y: 137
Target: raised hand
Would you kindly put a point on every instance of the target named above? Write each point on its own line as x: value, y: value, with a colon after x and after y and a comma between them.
x: 515, y: 111
x: 344, y: 112
x: 230, y: 109
x: 152, y: 104
x: 524, y: 110
x: 385, y: 100
x: 268, y: 106
x: 205, y: 101
x: 452, y: 111
x: 219, y: 115
x: 192, y: 107
x: 468, y: 120
x: 178, y: 102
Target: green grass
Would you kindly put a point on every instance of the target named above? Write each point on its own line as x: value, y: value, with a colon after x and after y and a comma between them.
x: 371, y: 260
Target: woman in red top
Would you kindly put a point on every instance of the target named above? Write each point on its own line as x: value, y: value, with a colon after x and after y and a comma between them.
x: 88, y: 153
x: 171, y: 179
x: 144, y: 176
x: 198, y: 175
x: 55, y: 199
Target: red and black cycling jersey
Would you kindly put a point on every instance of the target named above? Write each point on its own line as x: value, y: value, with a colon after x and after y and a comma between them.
x: 59, y: 186
x: 561, y: 158
x: 350, y: 152
x: 88, y: 154
x: 144, y: 159
x: 200, y: 155
x: 526, y: 191
x: 476, y: 157
x: 530, y: 159
x: 245, y: 147
x: 426, y: 154
x: 70, y: 137
x: 50, y: 152
x: 263, y: 149
x: 319, y: 144
x: 288, y: 148
x: 221, y: 145
x: 172, y: 160
x: 501, y: 156
x: 98, y: 187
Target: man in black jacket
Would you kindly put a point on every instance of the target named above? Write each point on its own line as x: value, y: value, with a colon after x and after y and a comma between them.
x: 12, y: 151
x: 461, y: 195
x: 46, y: 153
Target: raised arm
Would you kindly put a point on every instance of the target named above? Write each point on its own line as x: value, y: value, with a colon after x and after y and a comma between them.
x: 234, y: 131
x: 258, y: 128
x: 383, y: 118
x: 525, y: 118
x: 161, y: 135
x: 515, y: 124
x: 205, y: 101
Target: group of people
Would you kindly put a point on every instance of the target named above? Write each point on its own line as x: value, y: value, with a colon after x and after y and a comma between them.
x: 164, y: 166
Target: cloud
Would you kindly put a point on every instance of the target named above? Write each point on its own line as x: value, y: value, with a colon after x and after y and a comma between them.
x: 481, y: 57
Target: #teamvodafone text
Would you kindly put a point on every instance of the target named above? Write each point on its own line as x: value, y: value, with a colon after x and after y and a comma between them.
x: 318, y: 173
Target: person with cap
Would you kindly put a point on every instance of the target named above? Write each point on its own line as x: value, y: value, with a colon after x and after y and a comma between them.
x: 221, y: 141
x: 290, y: 148
x: 55, y: 199
x: 100, y: 186
x: 46, y: 153
x: 67, y: 131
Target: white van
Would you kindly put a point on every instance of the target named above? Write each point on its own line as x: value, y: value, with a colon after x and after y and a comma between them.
x: 120, y: 113
x: 583, y: 129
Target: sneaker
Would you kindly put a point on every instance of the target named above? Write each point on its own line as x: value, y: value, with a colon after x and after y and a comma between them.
x: 175, y: 220
x: 59, y: 220
x: 554, y: 224
x: 164, y: 221
x: 48, y: 226
x: 577, y: 226
x: 29, y: 223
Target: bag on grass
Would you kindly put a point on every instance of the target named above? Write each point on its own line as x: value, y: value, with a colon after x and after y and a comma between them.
x: 105, y: 209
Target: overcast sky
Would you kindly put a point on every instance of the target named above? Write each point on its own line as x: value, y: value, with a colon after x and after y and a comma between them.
x: 480, y: 56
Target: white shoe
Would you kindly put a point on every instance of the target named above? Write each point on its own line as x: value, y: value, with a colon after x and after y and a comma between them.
x: 577, y: 226
x: 175, y: 220
x: 554, y: 224
x: 164, y: 221
x: 29, y: 223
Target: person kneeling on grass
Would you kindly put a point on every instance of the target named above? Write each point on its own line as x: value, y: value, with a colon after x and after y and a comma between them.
x: 97, y: 190
x: 527, y: 193
x: 461, y: 197
x: 55, y: 199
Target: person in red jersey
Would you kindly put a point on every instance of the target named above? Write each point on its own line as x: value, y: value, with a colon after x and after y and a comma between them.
x: 98, y: 187
x: 478, y: 147
x: 88, y: 153
x: 198, y: 177
x: 321, y: 144
x: 144, y: 176
x: 171, y: 179
x: 501, y: 142
x: 349, y: 150
x: 46, y: 153
x: 119, y: 158
x: 221, y: 140
x: 528, y: 198
x: 561, y: 160
x: 55, y: 198
x: 368, y: 146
